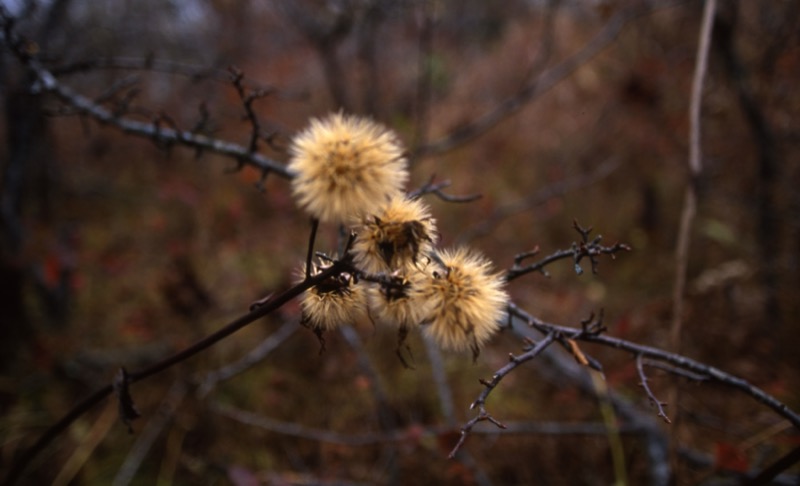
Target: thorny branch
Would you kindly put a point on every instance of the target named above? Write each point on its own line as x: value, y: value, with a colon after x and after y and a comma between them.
x: 248, y: 98
x: 47, y: 82
x: 489, y: 386
x: 579, y: 250
x: 708, y: 372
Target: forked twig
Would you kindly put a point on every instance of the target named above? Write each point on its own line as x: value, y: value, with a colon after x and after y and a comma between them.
x: 643, y: 383
x: 490, y: 385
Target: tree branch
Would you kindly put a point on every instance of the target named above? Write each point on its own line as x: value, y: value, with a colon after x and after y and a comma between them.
x: 712, y: 373
x: 514, y: 362
x: 164, y: 136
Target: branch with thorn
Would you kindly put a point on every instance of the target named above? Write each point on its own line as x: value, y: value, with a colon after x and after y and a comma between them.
x: 490, y: 385
x: 47, y: 82
x: 584, y: 248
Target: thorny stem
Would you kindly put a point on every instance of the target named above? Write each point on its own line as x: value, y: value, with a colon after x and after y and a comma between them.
x: 311, y: 240
x: 695, y: 367
x: 514, y: 362
x: 163, y: 136
x: 583, y: 249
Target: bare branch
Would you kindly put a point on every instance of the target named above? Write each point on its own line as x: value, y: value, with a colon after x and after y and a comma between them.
x: 435, y: 188
x: 643, y: 382
x: 47, y: 82
x: 255, y: 356
x: 712, y: 373
x: 514, y: 362
x: 689, y: 211
x: 583, y: 249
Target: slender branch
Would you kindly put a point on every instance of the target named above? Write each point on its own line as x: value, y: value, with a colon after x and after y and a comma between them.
x: 163, y: 136
x: 689, y: 211
x: 643, y: 382
x: 489, y: 386
x: 435, y: 188
x: 256, y: 355
x: 712, y: 373
x: 149, y: 64
x: 248, y: 98
x: 312, y: 237
x: 584, y: 249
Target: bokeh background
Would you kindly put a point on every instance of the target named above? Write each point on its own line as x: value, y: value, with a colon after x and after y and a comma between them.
x: 117, y: 251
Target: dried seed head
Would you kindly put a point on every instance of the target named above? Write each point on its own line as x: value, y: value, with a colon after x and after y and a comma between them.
x: 400, y: 302
x: 395, y: 238
x: 467, y: 301
x: 346, y: 166
x: 336, y: 301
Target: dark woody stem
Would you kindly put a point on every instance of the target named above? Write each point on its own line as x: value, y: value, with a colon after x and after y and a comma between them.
x: 311, y: 240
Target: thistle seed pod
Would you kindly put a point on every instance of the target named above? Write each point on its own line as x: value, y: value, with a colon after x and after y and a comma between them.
x: 346, y: 166
x: 336, y: 301
x: 467, y: 301
x: 396, y: 238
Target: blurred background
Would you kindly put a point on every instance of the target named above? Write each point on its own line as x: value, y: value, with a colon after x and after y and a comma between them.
x: 117, y: 251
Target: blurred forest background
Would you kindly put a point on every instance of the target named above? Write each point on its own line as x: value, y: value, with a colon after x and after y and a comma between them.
x: 117, y: 251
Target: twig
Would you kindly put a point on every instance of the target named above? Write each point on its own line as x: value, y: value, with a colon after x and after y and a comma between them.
x: 643, y: 382
x: 255, y: 356
x: 435, y: 188
x: 440, y: 380
x: 489, y: 386
x: 674, y: 371
x: 583, y: 249
x: 247, y: 99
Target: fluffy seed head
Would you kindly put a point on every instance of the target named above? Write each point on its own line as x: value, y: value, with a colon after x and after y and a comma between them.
x: 336, y: 301
x: 395, y: 238
x: 401, y: 303
x: 345, y: 166
x: 467, y: 301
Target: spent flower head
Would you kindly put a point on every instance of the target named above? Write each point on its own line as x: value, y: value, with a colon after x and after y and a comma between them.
x: 336, y: 301
x: 395, y: 238
x: 401, y: 301
x: 467, y: 301
x: 345, y: 166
